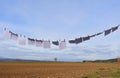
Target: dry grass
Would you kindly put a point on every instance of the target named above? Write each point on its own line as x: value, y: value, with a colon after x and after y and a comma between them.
x: 50, y: 70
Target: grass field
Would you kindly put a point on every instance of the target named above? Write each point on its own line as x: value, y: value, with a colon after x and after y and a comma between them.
x: 59, y: 70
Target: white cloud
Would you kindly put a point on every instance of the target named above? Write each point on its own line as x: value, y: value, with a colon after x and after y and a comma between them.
x: 73, y: 53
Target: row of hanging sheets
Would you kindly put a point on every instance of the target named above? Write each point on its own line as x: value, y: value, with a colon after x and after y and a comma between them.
x: 22, y: 40
x: 81, y: 39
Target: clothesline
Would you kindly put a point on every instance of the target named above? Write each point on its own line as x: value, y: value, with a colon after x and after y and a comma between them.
x: 81, y: 39
x: 22, y: 40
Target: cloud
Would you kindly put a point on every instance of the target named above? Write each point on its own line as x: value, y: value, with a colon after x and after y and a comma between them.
x: 71, y: 53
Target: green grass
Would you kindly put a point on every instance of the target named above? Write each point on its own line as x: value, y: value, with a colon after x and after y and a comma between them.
x: 104, y: 73
x: 116, y: 74
x: 92, y: 75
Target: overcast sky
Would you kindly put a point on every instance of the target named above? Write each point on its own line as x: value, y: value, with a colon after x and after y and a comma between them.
x: 59, y: 20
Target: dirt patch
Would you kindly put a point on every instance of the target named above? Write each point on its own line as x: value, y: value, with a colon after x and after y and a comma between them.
x: 50, y: 70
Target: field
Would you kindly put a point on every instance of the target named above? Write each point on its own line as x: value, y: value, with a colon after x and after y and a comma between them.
x: 52, y: 70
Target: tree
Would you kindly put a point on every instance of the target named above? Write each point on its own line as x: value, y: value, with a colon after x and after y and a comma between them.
x: 55, y: 59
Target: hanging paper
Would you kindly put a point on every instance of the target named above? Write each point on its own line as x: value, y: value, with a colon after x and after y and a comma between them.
x: 114, y: 28
x: 107, y: 32
x: 31, y: 41
x: 46, y: 44
x: 22, y: 40
x: 39, y: 43
x: 13, y: 36
x: 78, y: 40
x: 6, y: 34
x: 86, y: 38
x: 55, y: 43
x: 72, y: 41
x: 62, y: 44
